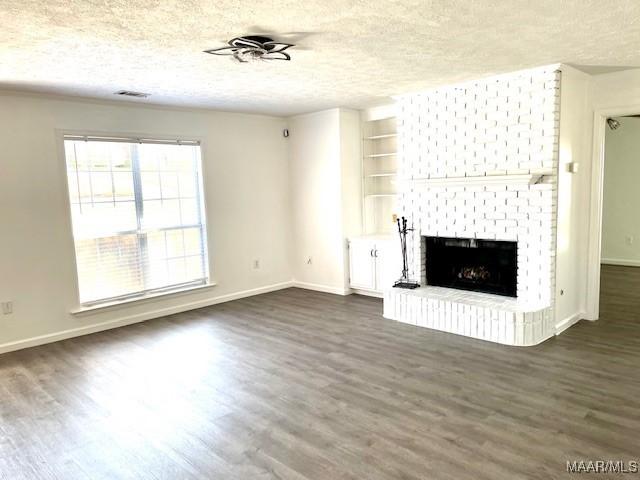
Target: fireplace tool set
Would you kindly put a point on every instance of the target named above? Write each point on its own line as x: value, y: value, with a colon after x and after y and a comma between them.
x: 404, y: 281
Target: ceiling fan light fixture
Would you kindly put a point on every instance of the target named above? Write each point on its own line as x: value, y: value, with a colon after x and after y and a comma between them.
x: 252, y: 48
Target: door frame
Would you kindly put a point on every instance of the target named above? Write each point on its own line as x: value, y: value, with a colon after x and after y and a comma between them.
x: 597, y: 195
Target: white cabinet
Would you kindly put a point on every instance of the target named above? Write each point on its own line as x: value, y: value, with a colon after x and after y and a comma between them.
x: 362, y: 264
x: 388, y: 263
x: 374, y: 263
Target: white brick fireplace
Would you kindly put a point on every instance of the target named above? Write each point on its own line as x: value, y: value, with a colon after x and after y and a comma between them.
x: 480, y: 160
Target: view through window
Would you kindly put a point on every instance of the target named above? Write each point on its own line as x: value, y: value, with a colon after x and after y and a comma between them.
x: 138, y: 219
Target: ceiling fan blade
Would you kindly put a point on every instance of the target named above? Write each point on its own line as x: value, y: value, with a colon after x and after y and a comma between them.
x: 221, y: 51
x: 276, y: 56
x: 244, y: 43
x: 277, y: 46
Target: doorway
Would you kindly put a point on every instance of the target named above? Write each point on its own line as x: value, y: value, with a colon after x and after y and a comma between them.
x: 619, y: 295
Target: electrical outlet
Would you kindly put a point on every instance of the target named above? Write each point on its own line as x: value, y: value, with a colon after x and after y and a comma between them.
x: 256, y: 264
x: 629, y: 239
x: 309, y: 261
x: 7, y: 308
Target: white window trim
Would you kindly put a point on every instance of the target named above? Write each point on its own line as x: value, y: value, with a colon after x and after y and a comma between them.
x: 107, y: 304
x: 142, y: 299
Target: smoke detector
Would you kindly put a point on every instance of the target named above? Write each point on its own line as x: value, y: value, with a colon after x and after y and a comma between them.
x: 254, y: 47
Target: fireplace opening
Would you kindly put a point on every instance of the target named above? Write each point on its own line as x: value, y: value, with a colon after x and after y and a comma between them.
x: 488, y: 266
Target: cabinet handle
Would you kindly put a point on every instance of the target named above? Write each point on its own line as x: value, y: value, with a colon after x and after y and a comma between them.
x: 375, y: 253
x: 371, y: 253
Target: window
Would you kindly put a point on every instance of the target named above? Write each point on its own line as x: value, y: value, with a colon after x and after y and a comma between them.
x: 137, y: 214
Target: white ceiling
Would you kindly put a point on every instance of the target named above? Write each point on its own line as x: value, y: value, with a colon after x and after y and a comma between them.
x: 352, y: 53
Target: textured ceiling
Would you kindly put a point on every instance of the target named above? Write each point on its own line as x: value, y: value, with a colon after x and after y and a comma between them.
x: 352, y: 53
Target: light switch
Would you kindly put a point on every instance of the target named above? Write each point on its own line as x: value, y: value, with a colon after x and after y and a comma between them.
x: 572, y: 167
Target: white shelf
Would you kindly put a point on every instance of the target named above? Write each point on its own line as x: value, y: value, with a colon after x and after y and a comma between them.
x: 378, y: 137
x: 375, y: 195
x: 378, y: 155
x: 382, y: 174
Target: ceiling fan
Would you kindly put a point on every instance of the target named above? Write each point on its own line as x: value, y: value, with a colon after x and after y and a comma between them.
x: 254, y: 47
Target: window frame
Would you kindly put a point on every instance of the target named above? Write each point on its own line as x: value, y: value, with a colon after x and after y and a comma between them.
x: 130, y: 137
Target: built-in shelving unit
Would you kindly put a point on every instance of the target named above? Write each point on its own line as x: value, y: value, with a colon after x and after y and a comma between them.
x: 379, y: 172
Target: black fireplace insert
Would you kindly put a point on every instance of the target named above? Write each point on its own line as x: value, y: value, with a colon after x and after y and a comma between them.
x: 488, y: 266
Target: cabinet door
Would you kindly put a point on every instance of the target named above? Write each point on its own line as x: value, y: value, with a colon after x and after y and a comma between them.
x: 388, y: 263
x: 362, y: 264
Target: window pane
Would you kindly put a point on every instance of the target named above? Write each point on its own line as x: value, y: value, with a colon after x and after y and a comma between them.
x: 188, y: 186
x: 84, y: 186
x: 72, y: 182
x: 161, y: 214
x: 148, y: 160
x: 175, y: 244
x: 158, y: 275
x: 151, y: 185
x: 177, y: 270
x: 76, y: 156
x: 189, y: 212
x: 101, y: 186
x: 108, y: 267
x: 193, y: 267
x: 128, y: 204
x: 102, y: 219
x: 123, y: 186
x: 95, y: 158
x: 169, y: 183
x: 192, y: 241
x: 176, y: 254
x: 156, y: 246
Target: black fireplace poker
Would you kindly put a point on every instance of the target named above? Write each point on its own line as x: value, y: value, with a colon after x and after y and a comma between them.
x: 404, y: 281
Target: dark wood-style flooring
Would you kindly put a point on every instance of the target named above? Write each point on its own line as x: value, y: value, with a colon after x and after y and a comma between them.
x: 303, y: 385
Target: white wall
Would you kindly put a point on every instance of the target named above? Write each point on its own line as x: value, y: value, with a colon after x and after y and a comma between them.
x: 621, y: 207
x: 325, y: 197
x: 573, y: 197
x: 351, y: 180
x: 246, y: 198
x: 617, y: 89
x: 379, y: 112
x: 314, y: 171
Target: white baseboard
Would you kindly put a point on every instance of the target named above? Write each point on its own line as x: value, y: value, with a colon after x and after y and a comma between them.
x: 322, y: 288
x: 140, y: 317
x: 623, y: 262
x: 562, y: 325
x: 368, y: 293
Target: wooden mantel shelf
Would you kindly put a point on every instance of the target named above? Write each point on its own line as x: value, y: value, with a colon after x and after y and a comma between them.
x: 514, y: 179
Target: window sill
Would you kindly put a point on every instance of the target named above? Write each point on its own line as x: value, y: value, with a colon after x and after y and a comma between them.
x: 138, y: 300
